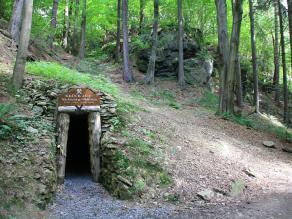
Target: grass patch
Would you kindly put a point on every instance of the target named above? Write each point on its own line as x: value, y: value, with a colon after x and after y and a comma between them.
x: 58, y: 72
x: 55, y: 71
x: 165, y: 97
x: 209, y: 101
x: 262, y: 122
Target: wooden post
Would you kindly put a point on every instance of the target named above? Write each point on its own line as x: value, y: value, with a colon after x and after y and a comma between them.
x: 63, y: 127
x: 94, y: 124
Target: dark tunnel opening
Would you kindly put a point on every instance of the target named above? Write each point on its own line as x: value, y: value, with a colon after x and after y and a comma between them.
x: 78, y: 156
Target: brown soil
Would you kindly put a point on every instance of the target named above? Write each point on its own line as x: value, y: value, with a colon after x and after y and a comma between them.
x: 203, y: 151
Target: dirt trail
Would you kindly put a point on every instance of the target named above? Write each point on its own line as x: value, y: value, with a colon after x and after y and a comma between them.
x: 202, y: 152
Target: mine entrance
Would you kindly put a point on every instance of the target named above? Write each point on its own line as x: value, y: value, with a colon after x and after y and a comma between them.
x: 79, y: 134
x: 78, y: 149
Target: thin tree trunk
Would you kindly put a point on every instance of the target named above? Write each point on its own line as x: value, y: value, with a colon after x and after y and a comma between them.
x: 66, y: 25
x: 254, y: 58
x: 290, y: 25
x: 181, y: 75
x: 18, y: 71
x: 54, y: 21
x: 118, y: 45
x: 142, y: 15
x: 54, y: 13
x: 285, y: 85
x: 70, y: 27
x: 149, y: 78
x: 239, y: 83
x: 276, y: 56
x: 234, y: 48
x: 223, y: 43
x: 128, y: 74
x: 15, y: 22
x: 75, y: 31
x: 83, y: 31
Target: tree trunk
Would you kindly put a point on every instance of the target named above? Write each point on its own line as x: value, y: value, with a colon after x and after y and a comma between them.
x: 223, y: 45
x: 285, y: 85
x: 94, y: 124
x: 66, y: 25
x: 149, y: 78
x: 239, y: 83
x: 276, y: 56
x: 118, y: 45
x: 128, y: 74
x: 70, y: 26
x: 142, y: 15
x: 254, y: 58
x: 75, y: 31
x: 15, y: 22
x: 181, y: 75
x: 63, y: 129
x: 54, y: 13
x: 234, y: 48
x: 54, y: 21
x: 18, y: 71
x: 83, y: 32
x: 290, y: 25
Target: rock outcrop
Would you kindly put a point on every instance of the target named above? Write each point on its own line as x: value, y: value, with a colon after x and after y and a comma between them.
x: 198, y: 68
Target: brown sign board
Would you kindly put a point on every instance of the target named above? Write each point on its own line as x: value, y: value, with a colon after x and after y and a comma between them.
x: 79, y: 97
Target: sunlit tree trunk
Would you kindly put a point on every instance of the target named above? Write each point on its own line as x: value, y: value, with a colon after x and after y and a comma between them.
x: 149, y: 78
x: 285, y: 85
x: 66, y: 25
x: 75, y: 30
x: 254, y: 58
x: 223, y: 45
x: 276, y: 55
x: 142, y: 15
x: 239, y: 83
x: 128, y: 74
x: 15, y: 22
x: 18, y: 71
x: 181, y: 75
x: 118, y: 43
x: 234, y: 48
x: 83, y: 31
x: 290, y: 25
x: 54, y: 21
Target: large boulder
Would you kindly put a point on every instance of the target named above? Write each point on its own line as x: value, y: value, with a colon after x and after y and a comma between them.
x: 198, y: 71
x: 198, y: 67
x: 167, y: 55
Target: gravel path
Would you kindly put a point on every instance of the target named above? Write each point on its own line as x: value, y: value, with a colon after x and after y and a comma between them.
x: 82, y: 198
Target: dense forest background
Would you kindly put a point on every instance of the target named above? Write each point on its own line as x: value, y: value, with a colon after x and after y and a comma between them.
x: 256, y: 37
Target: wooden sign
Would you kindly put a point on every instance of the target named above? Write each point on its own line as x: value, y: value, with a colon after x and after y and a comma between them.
x: 79, y: 97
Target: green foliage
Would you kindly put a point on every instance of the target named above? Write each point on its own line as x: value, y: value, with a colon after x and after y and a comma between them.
x: 165, y: 97
x: 241, y: 120
x: 172, y: 197
x: 11, y: 124
x: 165, y: 179
x: 5, y: 120
x: 262, y: 122
x: 209, y: 101
x: 141, y: 147
x: 138, y: 43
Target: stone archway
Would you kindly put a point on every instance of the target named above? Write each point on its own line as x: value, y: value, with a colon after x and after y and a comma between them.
x: 79, y: 101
